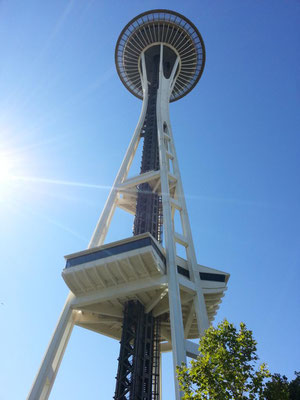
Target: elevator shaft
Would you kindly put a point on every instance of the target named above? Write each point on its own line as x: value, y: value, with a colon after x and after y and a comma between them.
x: 138, y: 369
x: 148, y: 206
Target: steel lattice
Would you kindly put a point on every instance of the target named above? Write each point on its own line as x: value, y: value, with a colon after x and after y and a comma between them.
x: 138, y: 370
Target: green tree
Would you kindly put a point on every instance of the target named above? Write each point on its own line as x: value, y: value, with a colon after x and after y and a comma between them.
x: 277, y: 388
x: 225, y: 368
x: 294, y: 387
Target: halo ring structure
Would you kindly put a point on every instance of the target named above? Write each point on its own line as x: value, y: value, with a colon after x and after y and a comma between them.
x: 154, y: 27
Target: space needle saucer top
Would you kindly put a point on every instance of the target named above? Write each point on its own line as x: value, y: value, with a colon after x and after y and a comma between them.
x: 175, y: 32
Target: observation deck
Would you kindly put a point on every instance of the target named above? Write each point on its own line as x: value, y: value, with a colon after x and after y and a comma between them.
x: 104, y: 278
x: 179, y: 36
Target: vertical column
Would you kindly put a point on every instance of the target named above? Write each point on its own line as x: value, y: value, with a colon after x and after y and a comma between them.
x: 199, y: 302
x: 177, y: 331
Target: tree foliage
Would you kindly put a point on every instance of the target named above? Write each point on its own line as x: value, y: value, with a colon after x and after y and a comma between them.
x: 294, y: 387
x: 279, y: 388
x: 225, y: 368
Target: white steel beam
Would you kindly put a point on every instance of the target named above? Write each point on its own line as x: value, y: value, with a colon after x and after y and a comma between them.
x: 110, y: 205
x: 177, y: 331
x: 189, y: 321
x: 200, y: 308
x: 104, y: 309
x: 46, y: 376
x: 175, y: 204
x: 122, y: 290
x: 90, y: 318
x: 181, y: 239
x: 142, y: 263
x: 186, y: 284
x: 192, y: 349
x: 163, y: 306
x: 138, y: 179
x: 119, y: 268
x: 156, y: 299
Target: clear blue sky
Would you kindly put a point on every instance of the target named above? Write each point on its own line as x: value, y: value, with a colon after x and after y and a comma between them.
x: 65, y: 122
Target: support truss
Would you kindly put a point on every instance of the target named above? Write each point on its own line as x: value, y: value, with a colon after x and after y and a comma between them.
x: 138, y: 370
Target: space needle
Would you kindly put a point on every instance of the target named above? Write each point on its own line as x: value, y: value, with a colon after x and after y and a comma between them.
x: 141, y: 290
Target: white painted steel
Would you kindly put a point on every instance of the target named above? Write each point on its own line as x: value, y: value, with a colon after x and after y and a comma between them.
x: 189, y: 321
x: 177, y: 329
x: 192, y: 349
x: 110, y: 205
x: 45, y: 378
x: 167, y: 152
x: 122, y: 290
x: 181, y: 291
x: 199, y: 302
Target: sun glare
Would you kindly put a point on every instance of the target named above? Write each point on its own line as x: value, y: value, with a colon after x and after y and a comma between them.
x: 6, y: 169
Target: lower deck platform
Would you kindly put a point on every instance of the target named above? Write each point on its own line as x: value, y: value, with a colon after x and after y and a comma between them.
x: 104, y: 278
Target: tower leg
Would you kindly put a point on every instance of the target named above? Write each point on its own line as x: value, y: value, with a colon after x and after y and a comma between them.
x: 44, y: 380
x: 199, y: 302
x: 176, y: 321
x: 110, y: 205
